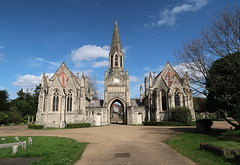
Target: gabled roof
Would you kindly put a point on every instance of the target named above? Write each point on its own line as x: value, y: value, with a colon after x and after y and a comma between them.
x: 65, y: 66
x: 161, y: 73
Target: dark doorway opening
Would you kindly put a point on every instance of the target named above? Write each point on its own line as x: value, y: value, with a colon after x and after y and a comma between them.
x: 117, y: 112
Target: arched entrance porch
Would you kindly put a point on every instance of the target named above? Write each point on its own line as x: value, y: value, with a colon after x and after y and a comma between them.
x: 117, y: 112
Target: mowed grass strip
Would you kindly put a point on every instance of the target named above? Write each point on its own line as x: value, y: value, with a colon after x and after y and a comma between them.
x: 53, y: 150
x: 188, y: 144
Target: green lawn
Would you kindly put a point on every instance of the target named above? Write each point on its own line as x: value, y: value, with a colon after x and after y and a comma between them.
x: 226, y: 144
x: 237, y: 132
x: 188, y: 144
x: 53, y: 150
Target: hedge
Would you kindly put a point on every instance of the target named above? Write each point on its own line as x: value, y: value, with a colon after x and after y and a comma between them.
x: 165, y: 123
x: 79, y: 125
x: 33, y: 126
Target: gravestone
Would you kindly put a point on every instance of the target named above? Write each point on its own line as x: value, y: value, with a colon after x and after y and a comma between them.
x: 30, y: 141
x: 24, y: 145
x: 14, y: 149
x: 3, y: 139
x: 16, y: 138
x: 28, y: 120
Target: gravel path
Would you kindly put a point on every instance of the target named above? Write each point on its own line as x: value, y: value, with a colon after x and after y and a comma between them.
x: 119, y: 144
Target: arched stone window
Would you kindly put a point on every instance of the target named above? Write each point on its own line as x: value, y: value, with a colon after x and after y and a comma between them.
x: 121, y: 61
x: 116, y: 60
x: 164, y: 100
x: 69, y: 101
x: 111, y: 60
x: 56, y: 96
x: 177, y: 98
x: 184, y: 101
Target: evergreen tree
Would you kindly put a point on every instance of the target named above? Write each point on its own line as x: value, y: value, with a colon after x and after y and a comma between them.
x: 222, y: 84
x: 4, y: 105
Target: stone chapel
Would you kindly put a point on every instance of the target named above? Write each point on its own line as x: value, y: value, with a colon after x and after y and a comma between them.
x: 67, y: 98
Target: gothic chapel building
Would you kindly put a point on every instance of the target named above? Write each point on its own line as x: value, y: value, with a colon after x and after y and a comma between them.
x: 67, y: 98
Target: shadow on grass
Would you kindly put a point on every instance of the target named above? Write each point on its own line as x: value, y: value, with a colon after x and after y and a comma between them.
x: 184, y: 130
x: 214, y: 132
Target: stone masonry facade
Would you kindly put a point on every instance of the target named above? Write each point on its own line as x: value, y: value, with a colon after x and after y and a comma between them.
x: 67, y: 98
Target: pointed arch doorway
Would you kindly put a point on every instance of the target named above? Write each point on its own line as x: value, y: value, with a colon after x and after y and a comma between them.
x: 117, y: 113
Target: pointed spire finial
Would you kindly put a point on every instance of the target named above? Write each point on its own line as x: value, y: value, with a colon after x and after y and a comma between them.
x: 116, y: 43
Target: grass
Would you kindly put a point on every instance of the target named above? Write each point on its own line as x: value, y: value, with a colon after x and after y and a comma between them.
x: 53, y: 150
x: 188, y: 144
x: 237, y: 132
x: 226, y: 144
x: 9, y: 124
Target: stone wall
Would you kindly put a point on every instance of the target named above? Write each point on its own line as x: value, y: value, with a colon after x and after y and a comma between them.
x: 136, y: 115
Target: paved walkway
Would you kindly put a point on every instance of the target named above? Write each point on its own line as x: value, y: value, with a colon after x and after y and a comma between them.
x: 116, y: 119
x: 142, y: 144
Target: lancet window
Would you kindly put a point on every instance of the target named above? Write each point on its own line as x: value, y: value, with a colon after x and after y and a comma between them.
x: 116, y: 60
x: 164, y: 100
x: 69, y: 101
x: 177, y: 97
x: 56, y: 96
x: 111, y: 60
x: 121, y: 61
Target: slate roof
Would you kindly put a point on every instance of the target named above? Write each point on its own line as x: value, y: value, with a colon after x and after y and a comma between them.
x: 136, y: 102
x: 96, y: 103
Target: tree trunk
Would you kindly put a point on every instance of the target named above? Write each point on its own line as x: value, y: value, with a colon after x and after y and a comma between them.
x: 237, y: 127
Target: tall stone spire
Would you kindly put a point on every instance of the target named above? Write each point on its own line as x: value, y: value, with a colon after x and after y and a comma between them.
x: 116, y: 43
x: 116, y: 58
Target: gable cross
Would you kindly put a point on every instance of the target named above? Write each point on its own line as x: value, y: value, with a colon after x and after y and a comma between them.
x: 168, y: 77
x: 63, y: 77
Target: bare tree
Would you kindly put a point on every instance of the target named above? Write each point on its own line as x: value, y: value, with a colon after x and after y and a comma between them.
x: 93, y: 83
x: 220, y: 38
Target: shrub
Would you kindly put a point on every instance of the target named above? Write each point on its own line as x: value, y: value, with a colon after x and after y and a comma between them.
x: 3, y: 118
x: 204, y: 125
x: 15, y: 117
x: 182, y: 115
x: 33, y: 126
x: 78, y: 125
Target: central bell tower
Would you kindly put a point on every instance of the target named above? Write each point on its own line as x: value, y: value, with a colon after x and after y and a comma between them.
x: 116, y: 81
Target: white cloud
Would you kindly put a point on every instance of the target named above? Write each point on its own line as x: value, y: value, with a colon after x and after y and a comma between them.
x: 39, y: 59
x: 39, y: 62
x: 86, y: 72
x: 99, y: 82
x: 146, y: 68
x: 156, y: 70
x: 2, y: 57
x: 97, y: 64
x: 30, y: 81
x: 182, y: 68
x: 135, y: 90
x: 133, y: 79
x: 1, y: 47
x: 89, y: 53
x: 170, y: 16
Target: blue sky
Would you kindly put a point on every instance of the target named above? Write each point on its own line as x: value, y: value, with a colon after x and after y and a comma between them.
x: 38, y: 35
